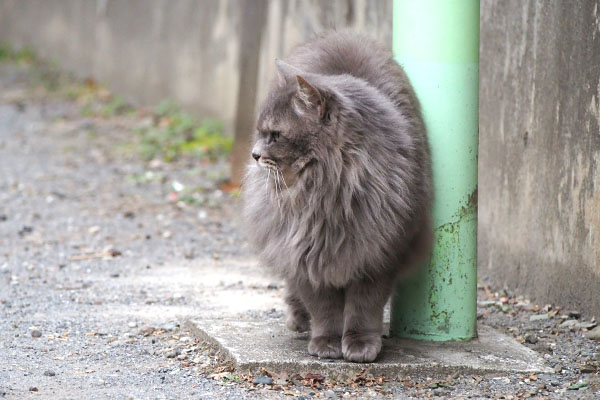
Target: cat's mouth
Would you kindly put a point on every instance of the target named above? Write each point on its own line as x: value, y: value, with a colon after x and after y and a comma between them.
x: 266, y: 163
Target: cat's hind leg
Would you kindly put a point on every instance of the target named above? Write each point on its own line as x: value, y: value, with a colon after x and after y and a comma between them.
x: 297, y: 318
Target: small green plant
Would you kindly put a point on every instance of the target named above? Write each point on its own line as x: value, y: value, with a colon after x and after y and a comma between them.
x: 92, y: 133
x: 166, y: 108
x: 146, y: 177
x: 175, y: 133
x: 87, y: 111
x: 9, y: 54
x: 79, y: 91
x: 5, y: 52
x: 116, y: 106
x: 229, y: 378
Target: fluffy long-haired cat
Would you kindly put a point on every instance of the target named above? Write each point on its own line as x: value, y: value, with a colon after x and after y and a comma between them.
x: 337, y: 198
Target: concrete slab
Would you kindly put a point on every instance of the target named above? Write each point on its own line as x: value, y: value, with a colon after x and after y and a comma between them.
x: 252, y: 345
x: 240, y: 311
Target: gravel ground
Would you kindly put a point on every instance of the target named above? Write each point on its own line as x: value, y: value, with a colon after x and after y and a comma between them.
x: 100, y: 264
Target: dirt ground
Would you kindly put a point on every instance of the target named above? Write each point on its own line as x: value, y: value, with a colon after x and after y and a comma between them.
x: 103, y: 256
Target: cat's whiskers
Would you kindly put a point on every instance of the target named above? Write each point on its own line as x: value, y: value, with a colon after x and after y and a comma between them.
x: 276, y: 183
x: 267, y: 179
x: 283, y: 179
x: 278, y: 189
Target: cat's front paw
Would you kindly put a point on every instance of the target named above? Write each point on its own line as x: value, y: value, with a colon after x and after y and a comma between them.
x: 297, y: 321
x: 361, y: 347
x: 325, y: 347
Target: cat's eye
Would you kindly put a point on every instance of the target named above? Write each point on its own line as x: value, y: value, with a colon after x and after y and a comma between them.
x: 274, y: 136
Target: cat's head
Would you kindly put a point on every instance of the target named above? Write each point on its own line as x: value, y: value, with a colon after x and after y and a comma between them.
x: 297, y: 123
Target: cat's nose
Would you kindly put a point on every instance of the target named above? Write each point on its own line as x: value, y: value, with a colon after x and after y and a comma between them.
x: 255, y: 155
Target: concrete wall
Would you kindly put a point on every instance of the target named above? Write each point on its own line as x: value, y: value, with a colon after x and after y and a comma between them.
x: 539, y: 192
x: 142, y: 49
x: 188, y: 50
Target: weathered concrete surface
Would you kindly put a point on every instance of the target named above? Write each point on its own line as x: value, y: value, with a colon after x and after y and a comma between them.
x: 145, y: 50
x: 253, y: 345
x: 539, y: 188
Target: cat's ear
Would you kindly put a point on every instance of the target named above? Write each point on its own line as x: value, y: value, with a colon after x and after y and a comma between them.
x: 285, y: 71
x: 310, y: 96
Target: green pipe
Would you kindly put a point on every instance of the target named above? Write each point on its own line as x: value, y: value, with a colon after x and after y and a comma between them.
x: 437, y: 43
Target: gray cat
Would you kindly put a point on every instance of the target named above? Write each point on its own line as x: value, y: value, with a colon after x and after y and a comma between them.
x: 337, y: 199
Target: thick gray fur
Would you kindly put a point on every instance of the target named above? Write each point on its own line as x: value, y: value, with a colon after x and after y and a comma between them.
x: 338, y: 199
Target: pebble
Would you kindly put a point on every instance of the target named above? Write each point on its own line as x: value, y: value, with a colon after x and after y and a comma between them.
x: 25, y: 230
x: 281, y: 382
x: 588, y: 368
x: 489, y: 303
x: 558, y: 368
x: 35, y: 333
x: 570, y: 323
x: 539, y: 317
x: 574, y: 314
x: 330, y: 394
x: 132, y: 324
x: 171, y: 354
x: 581, y: 385
x: 169, y: 326
x: 586, y: 325
x: 49, y: 373
x: 146, y: 331
x: 264, y: 380
x: 594, y: 334
x: 33, y: 389
x: 531, y: 338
